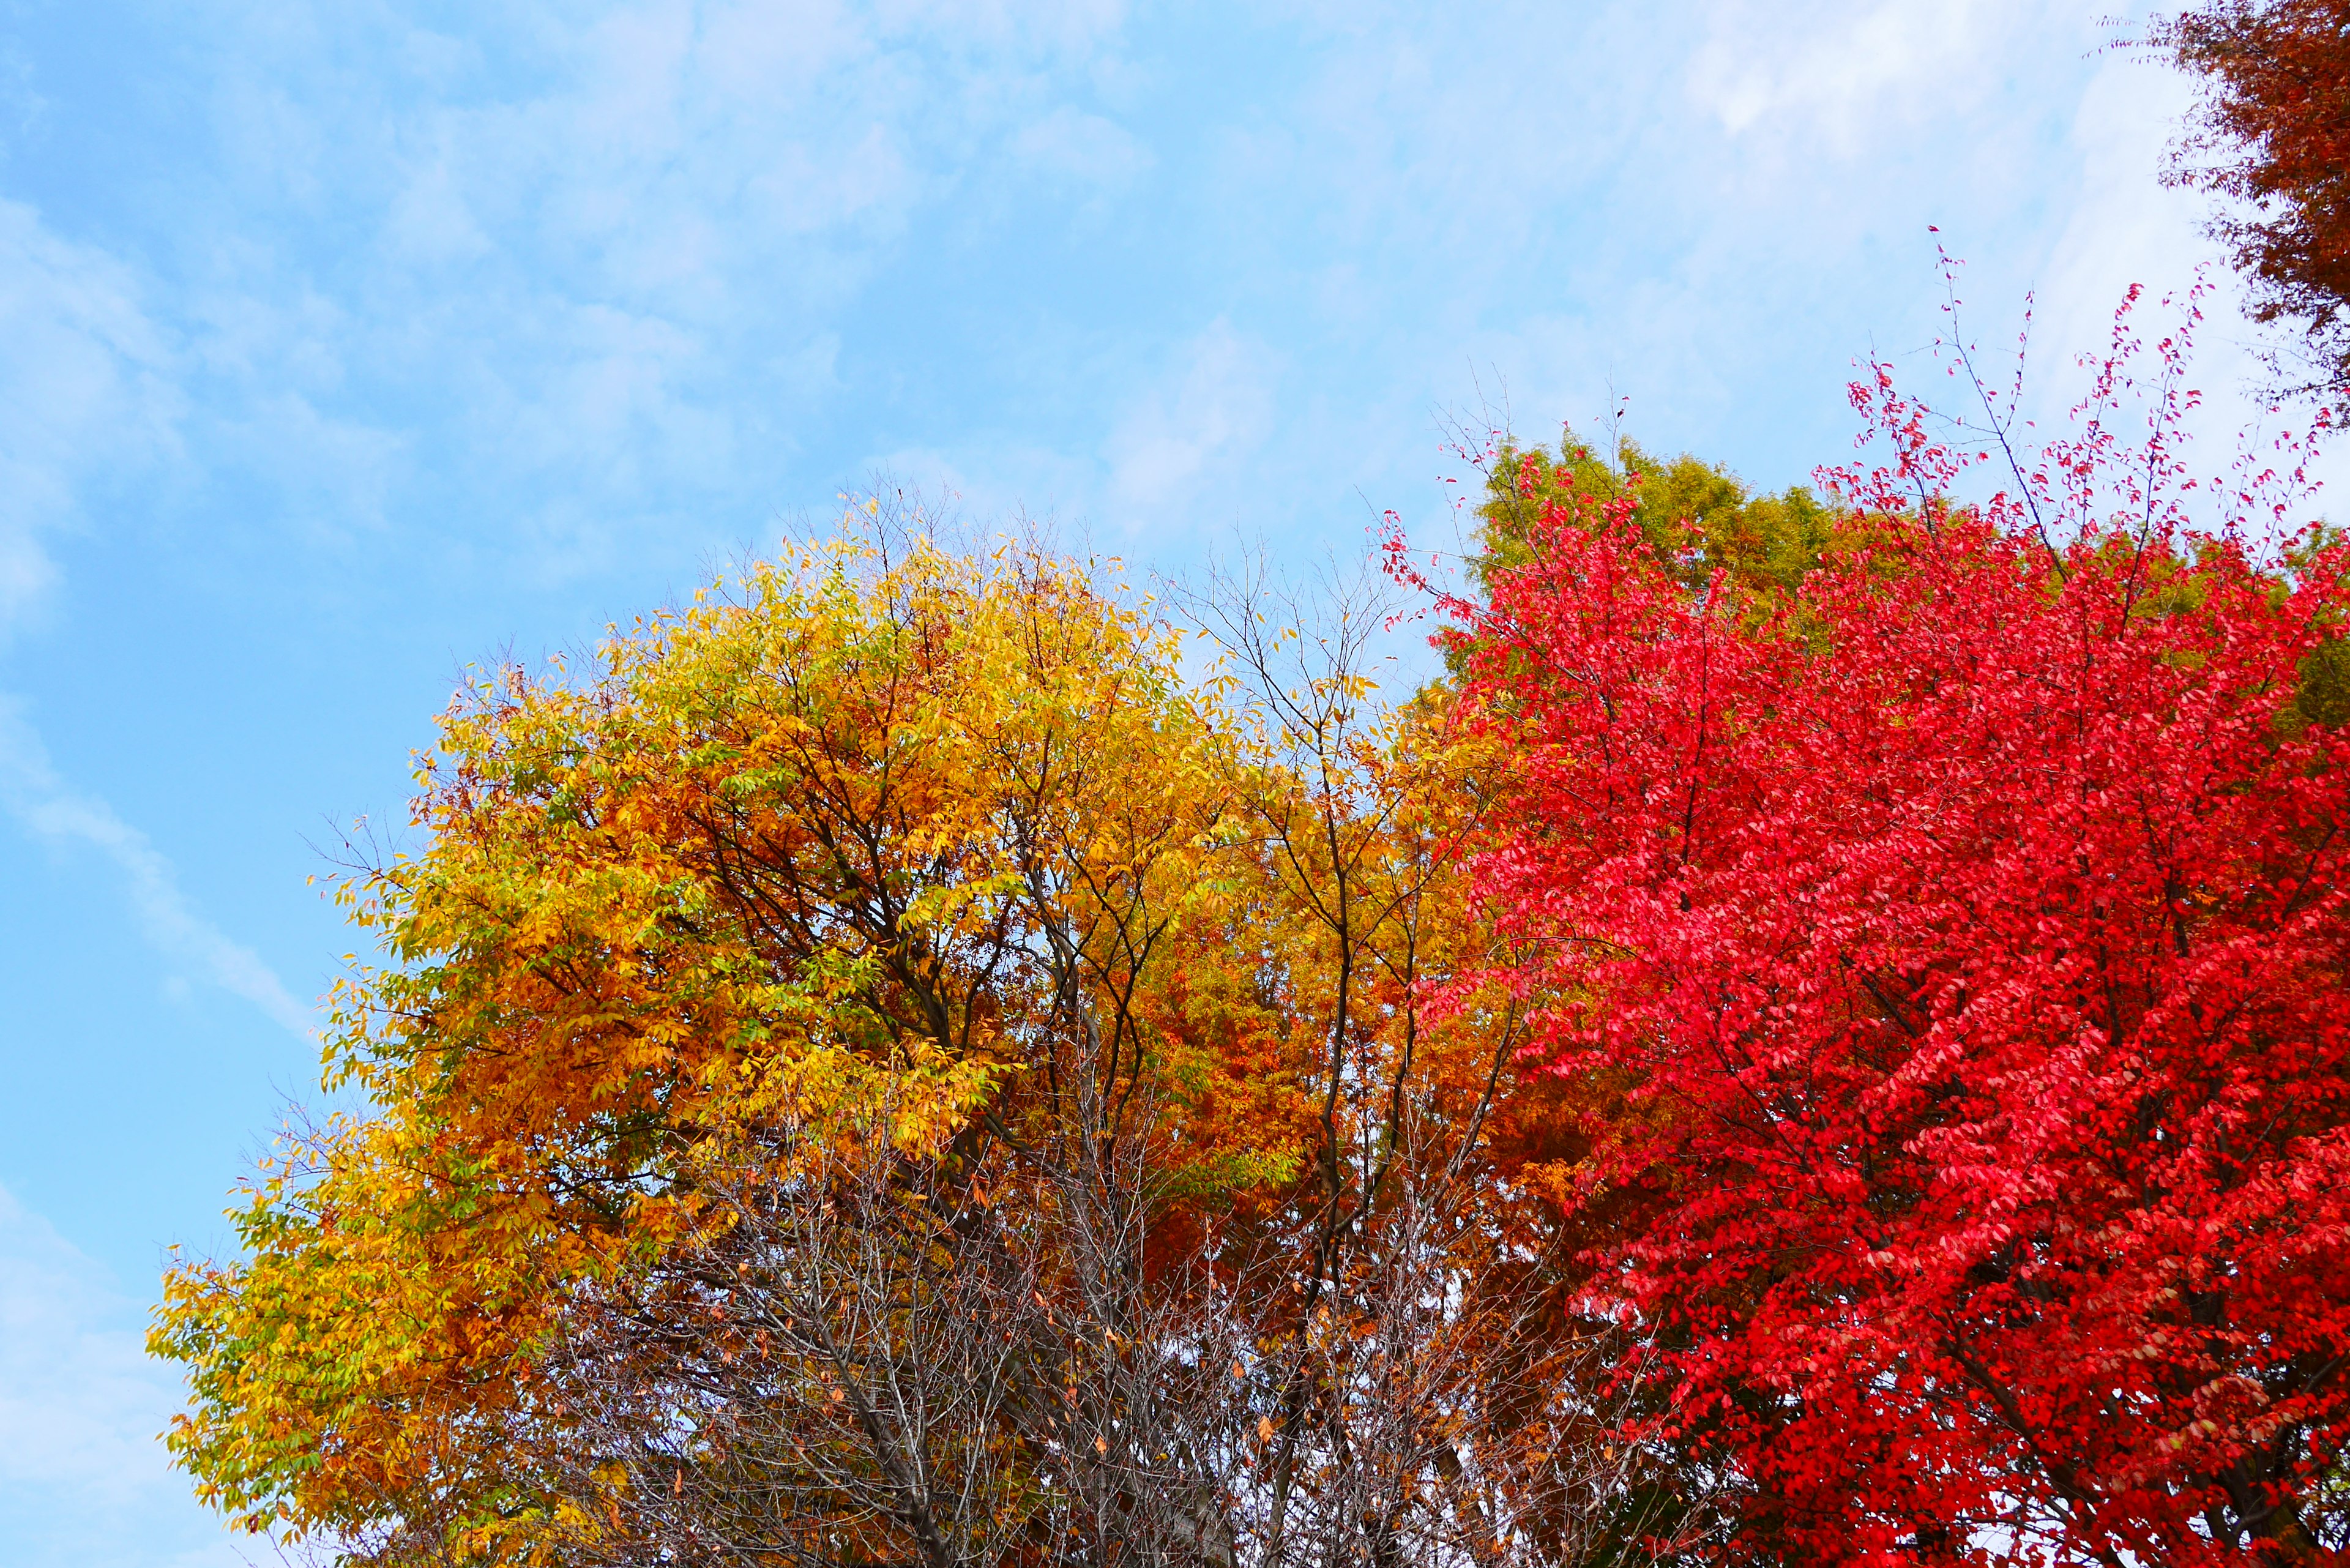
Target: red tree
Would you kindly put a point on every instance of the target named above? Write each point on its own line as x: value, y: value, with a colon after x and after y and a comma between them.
x: 1966, y: 933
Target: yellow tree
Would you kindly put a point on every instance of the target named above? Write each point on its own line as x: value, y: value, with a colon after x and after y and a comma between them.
x: 870, y: 831
x: 879, y: 1068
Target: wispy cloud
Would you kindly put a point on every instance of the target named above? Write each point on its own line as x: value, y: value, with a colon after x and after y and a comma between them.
x: 32, y: 793
x: 1071, y: 144
x: 1214, y: 406
x: 84, y: 1480
x: 593, y: 263
x: 83, y: 391
x: 1847, y: 70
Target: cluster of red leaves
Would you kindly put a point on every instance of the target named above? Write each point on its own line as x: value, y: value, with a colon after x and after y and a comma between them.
x: 1965, y: 937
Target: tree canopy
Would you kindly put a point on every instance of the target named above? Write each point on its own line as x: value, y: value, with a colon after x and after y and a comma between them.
x: 1823, y: 1040
x: 1964, y: 928
x: 880, y: 1067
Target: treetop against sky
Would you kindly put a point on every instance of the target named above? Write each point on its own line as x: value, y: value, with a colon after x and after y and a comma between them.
x: 352, y: 348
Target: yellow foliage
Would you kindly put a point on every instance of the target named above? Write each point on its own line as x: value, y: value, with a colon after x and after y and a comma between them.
x: 801, y: 848
x: 851, y: 844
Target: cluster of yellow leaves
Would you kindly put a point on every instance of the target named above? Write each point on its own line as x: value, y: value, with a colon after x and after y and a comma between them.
x: 788, y: 849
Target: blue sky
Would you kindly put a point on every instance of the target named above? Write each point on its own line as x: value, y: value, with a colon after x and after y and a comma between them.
x: 345, y: 345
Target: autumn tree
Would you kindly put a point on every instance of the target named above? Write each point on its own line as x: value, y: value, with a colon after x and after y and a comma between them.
x: 1958, y: 935
x: 878, y: 1066
x: 878, y: 830
x: 2273, y: 135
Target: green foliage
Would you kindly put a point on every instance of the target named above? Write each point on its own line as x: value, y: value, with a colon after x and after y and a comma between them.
x: 2322, y: 696
x: 1698, y: 518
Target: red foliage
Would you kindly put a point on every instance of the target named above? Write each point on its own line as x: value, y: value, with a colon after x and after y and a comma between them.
x: 1968, y: 936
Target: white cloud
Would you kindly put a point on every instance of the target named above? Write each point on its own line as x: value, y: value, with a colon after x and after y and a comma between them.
x: 84, y: 389
x: 84, y: 1479
x: 31, y: 792
x: 1084, y: 147
x: 1069, y: 29
x: 2121, y: 226
x: 431, y: 220
x: 610, y: 247
x: 1842, y: 69
x: 1216, y: 405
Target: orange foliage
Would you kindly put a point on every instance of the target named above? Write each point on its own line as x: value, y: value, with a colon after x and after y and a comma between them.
x: 865, y: 843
